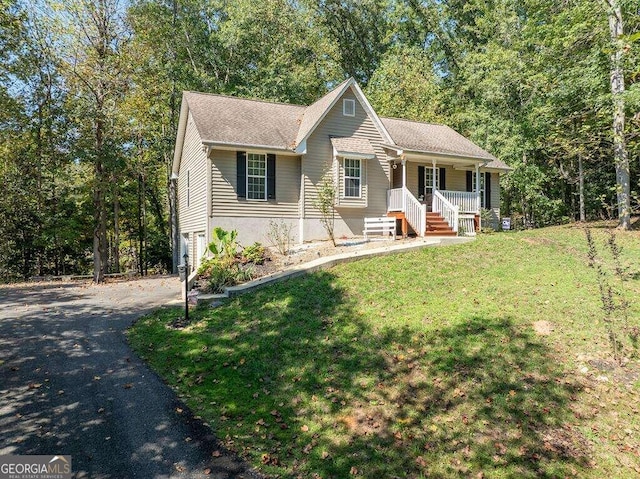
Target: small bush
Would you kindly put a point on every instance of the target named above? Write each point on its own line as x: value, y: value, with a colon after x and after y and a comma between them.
x: 218, y: 273
x: 224, y: 243
x: 279, y: 234
x: 256, y: 254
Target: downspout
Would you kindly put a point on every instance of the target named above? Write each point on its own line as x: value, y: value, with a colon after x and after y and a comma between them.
x: 209, y: 193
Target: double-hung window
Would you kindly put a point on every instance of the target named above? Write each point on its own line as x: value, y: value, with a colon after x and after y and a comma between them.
x: 352, y: 178
x: 256, y: 176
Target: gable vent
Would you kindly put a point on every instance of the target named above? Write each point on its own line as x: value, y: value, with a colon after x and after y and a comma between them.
x: 348, y: 107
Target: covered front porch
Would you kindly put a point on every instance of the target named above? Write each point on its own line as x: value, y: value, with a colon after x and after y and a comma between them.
x: 436, y: 196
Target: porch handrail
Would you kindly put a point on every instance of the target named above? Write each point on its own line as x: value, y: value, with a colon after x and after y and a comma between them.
x: 467, y: 201
x: 415, y: 212
x: 447, y: 210
x: 401, y: 199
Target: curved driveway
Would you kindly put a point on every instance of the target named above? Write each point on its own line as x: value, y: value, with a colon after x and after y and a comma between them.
x: 69, y: 384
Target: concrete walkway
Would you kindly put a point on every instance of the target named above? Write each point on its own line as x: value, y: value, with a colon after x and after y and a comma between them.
x: 69, y: 384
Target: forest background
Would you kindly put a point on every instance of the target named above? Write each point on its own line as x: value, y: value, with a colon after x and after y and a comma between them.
x: 90, y: 94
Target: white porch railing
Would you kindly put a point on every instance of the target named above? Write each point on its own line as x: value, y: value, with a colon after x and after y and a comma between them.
x: 468, y: 202
x: 447, y: 210
x: 394, y: 200
x: 401, y: 199
x: 466, y: 225
x: 415, y: 213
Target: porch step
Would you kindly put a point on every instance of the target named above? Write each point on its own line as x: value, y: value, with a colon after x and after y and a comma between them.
x: 438, y: 226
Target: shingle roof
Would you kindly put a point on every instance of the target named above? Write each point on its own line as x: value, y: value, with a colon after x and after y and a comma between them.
x: 225, y: 119
x: 240, y: 121
x: 498, y: 164
x: 432, y: 138
x: 358, y: 146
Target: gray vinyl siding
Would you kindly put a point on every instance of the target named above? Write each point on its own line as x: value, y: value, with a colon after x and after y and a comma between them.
x: 495, y: 201
x: 412, y: 177
x: 319, y: 160
x: 194, y: 216
x: 456, y: 180
x: 224, y: 197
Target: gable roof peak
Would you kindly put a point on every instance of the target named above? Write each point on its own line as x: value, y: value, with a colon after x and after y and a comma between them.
x: 316, y: 112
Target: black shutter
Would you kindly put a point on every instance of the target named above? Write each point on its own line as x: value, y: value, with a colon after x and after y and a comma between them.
x: 271, y: 176
x: 241, y: 165
x: 469, y: 181
x: 443, y: 179
x: 420, y: 180
x: 487, y: 190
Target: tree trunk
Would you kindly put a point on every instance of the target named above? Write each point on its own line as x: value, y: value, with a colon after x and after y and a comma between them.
x: 620, y: 156
x: 99, y: 221
x: 141, y: 225
x: 99, y: 206
x: 116, y: 232
x: 172, y: 183
x: 583, y: 216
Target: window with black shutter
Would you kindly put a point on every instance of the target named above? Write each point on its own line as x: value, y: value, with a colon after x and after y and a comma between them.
x: 487, y: 190
x: 271, y: 176
x: 241, y: 168
x: 256, y: 175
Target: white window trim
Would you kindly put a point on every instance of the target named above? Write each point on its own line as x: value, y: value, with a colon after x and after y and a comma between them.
x: 348, y: 101
x: 428, y: 182
x: 344, y: 180
x: 266, y: 193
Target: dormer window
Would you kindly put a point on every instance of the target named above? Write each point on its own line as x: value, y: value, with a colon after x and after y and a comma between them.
x: 348, y: 107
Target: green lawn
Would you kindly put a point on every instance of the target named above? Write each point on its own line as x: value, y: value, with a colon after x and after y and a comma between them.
x: 424, y: 364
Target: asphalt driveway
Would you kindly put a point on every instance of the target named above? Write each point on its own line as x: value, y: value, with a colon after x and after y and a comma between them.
x: 69, y: 384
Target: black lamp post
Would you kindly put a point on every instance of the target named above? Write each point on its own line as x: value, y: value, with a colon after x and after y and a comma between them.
x: 186, y: 287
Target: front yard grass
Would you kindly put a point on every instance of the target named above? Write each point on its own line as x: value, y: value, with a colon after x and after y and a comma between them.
x: 487, y: 359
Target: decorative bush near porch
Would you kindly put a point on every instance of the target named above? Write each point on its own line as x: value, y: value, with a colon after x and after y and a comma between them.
x: 487, y: 359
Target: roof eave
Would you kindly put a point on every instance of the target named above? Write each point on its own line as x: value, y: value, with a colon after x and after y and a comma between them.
x: 249, y: 146
x: 499, y: 169
x: 478, y: 159
x: 182, y: 128
x: 354, y: 154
